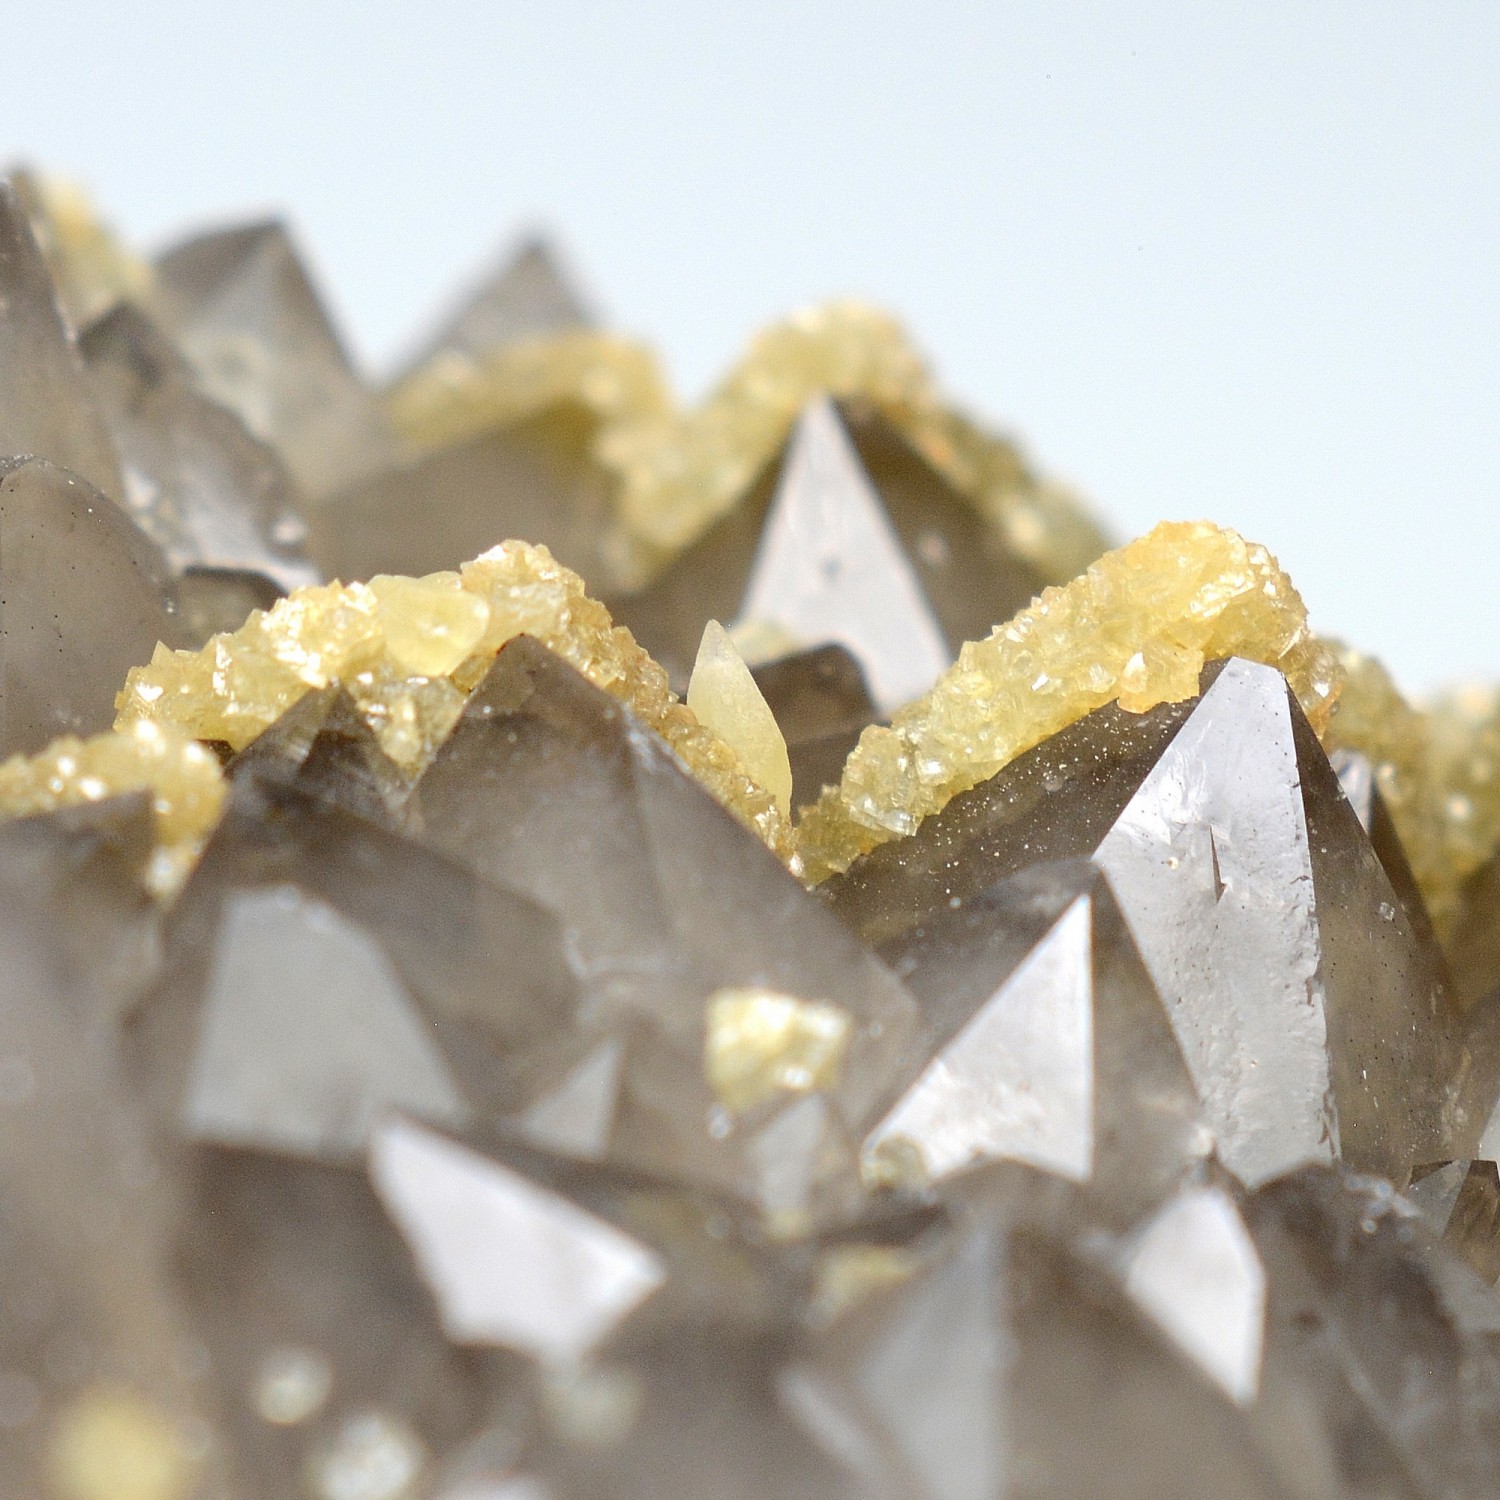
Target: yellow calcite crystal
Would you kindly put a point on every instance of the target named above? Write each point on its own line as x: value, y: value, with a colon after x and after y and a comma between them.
x: 409, y: 651
x: 112, y: 1444
x: 725, y: 697
x: 680, y: 471
x: 759, y: 1043
x: 1136, y: 628
x: 183, y: 778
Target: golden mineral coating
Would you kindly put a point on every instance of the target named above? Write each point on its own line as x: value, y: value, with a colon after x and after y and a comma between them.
x: 183, y: 778
x: 679, y: 472
x: 760, y: 1043
x: 410, y: 650
x: 1136, y: 628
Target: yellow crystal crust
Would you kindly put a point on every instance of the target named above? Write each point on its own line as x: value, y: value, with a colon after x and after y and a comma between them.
x: 680, y: 471
x: 183, y: 778
x: 409, y: 651
x: 1136, y: 628
x: 760, y: 1043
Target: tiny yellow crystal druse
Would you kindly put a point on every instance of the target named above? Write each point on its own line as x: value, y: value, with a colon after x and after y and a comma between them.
x: 410, y: 650
x: 183, y: 778
x: 760, y: 1043
x: 1137, y: 627
x: 680, y: 471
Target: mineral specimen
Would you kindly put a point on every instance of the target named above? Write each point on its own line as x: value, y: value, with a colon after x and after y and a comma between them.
x: 940, y: 1059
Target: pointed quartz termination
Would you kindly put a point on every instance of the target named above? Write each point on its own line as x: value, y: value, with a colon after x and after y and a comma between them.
x: 84, y: 596
x: 240, y: 305
x: 1010, y: 1364
x: 325, y: 747
x: 830, y: 567
x: 965, y: 576
x: 1311, y: 1012
x: 510, y: 1263
x: 47, y: 407
x: 1048, y: 1044
x: 728, y: 701
x: 545, y: 777
x: 1194, y: 1270
x: 529, y: 294
x: 538, y: 478
x: 322, y: 970
x: 308, y: 1035
x: 211, y: 495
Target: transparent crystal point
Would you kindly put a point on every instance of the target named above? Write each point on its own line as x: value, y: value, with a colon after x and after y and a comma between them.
x: 1310, y: 1004
x: 1193, y: 1268
x: 1044, y: 1041
x: 47, y: 407
x: 240, y: 305
x: 529, y: 293
x: 830, y: 567
x: 509, y: 1262
x: 308, y: 1036
x: 545, y: 777
x: 210, y: 494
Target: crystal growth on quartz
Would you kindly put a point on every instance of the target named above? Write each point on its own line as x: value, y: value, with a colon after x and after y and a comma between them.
x: 410, y: 650
x: 439, y: 1063
x: 1136, y: 628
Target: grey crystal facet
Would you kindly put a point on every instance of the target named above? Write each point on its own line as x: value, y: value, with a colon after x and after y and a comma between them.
x: 240, y: 305
x: 529, y: 293
x: 830, y: 567
x: 210, y: 495
x: 1308, y: 1001
x: 510, y: 1263
x: 90, y: 1304
x: 47, y: 407
x: 965, y: 578
x: 1045, y: 1041
x: 537, y: 480
x: 308, y: 1036
x: 84, y: 596
x: 1194, y: 1270
x: 550, y: 787
x: 821, y: 706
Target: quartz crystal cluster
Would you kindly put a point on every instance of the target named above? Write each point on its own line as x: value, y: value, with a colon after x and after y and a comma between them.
x: 560, y: 947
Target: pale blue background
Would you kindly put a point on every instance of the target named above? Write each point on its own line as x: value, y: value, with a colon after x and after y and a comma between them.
x: 1207, y: 259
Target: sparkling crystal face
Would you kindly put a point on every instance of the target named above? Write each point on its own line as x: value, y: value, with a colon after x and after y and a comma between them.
x: 898, y: 1030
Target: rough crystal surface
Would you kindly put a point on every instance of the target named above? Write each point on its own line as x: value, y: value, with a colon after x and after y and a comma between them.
x: 380, y: 641
x: 181, y: 777
x: 1136, y: 628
